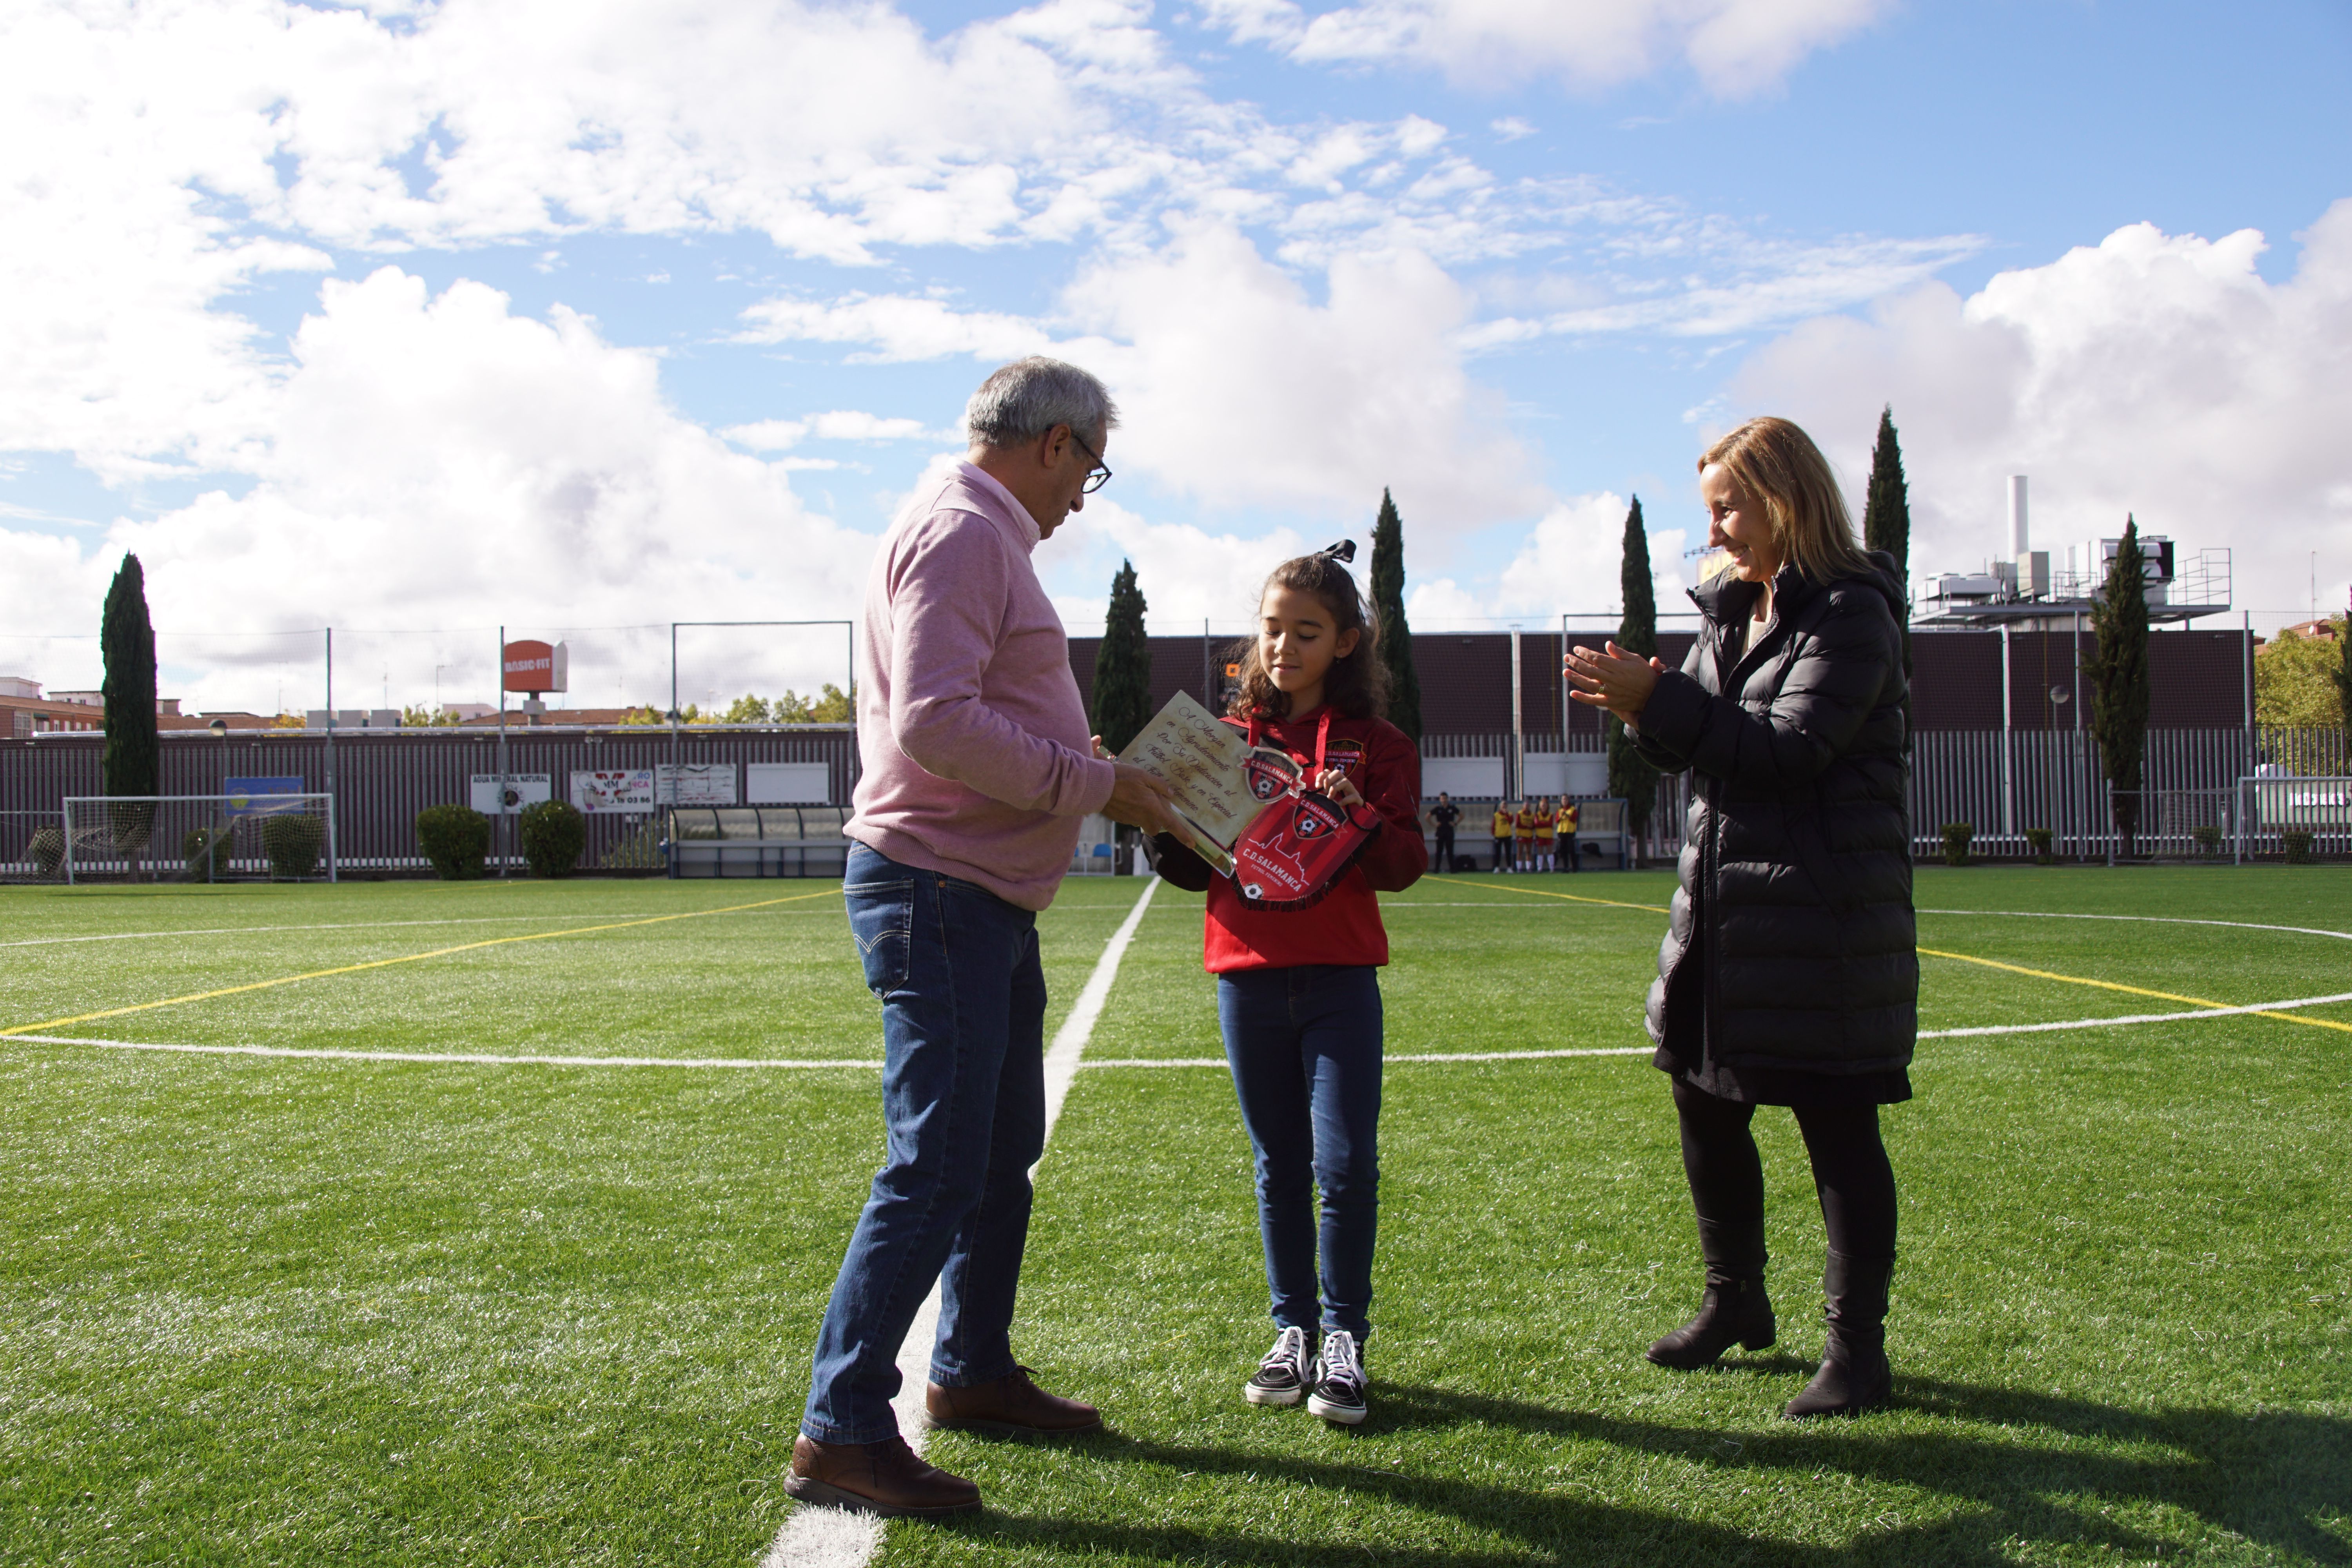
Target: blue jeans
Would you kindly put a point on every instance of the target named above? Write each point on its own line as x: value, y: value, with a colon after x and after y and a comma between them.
x: 1305, y: 1047
x: 963, y: 1099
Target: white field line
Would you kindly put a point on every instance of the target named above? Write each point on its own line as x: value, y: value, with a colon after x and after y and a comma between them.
x: 365, y: 925
x: 468, y: 1058
x: 833, y: 1538
x: 2136, y: 1018
x: 1056, y: 1088
x: 2148, y: 920
x: 1416, y: 1057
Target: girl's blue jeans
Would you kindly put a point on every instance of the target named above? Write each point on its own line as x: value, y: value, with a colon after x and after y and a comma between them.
x: 1305, y: 1048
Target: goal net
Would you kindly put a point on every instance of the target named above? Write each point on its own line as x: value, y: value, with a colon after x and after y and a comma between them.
x: 191, y: 839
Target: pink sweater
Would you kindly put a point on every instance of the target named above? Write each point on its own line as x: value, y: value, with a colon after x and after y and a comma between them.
x: 968, y: 723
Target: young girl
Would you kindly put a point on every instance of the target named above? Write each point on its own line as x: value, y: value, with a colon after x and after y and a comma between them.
x: 1297, y: 992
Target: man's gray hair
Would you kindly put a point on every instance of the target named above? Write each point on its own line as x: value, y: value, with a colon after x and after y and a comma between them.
x: 1024, y: 400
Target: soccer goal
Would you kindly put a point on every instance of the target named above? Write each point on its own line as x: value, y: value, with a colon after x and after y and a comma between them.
x: 197, y: 839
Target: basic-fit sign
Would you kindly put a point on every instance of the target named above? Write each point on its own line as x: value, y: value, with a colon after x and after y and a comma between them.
x: 537, y: 667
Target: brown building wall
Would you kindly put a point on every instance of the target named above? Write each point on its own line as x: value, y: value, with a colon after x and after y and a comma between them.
x: 1465, y: 678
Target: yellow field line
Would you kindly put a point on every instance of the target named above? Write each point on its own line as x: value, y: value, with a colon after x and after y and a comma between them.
x: 1934, y: 952
x: 408, y: 958
x: 1541, y: 893
x: 2131, y: 990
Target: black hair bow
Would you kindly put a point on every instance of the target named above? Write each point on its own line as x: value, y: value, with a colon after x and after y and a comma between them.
x: 1344, y: 550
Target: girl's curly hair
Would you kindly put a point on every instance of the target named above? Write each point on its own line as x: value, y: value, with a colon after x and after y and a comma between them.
x: 1358, y: 684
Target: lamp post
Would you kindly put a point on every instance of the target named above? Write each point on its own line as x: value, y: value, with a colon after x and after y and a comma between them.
x: 219, y: 726
x: 2059, y: 697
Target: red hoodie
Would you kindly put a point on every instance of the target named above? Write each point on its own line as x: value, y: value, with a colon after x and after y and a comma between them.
x: 1344, y: 927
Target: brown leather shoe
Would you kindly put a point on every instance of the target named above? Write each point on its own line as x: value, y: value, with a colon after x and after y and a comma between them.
x: 884, y: 1478
x: 1012, y: 1406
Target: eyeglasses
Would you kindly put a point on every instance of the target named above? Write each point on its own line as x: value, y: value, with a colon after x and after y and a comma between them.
x: 1098, y: 476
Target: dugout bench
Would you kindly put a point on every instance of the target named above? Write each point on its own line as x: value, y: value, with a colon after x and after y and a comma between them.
x: 755, y: 840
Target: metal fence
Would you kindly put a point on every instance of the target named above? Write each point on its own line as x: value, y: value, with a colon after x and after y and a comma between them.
x: 382, y: 780
x: 2003, y: 784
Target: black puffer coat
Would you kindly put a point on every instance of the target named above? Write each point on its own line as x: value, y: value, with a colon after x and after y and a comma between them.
x: 1796, y: 867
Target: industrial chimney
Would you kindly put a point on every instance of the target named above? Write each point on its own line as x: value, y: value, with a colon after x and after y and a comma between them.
x: 2033, y: 567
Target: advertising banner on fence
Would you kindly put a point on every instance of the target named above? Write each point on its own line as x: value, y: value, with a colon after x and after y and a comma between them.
x: 262, y: 796
x: 519, y: 790
x: 695, y: 784
x: 618, y: 789
x: 788, y: 784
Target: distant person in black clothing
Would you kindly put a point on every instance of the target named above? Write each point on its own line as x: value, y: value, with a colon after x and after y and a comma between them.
x: 1790, y: 974
x: 1442, y: 816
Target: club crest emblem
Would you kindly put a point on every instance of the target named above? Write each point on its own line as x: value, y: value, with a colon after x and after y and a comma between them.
x: 1270, y: 778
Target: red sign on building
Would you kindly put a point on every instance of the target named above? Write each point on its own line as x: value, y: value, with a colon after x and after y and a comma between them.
x: 537, y: 667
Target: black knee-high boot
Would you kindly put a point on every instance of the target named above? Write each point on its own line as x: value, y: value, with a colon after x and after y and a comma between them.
x: 1735, y: 1310
x: 1854, y: 1375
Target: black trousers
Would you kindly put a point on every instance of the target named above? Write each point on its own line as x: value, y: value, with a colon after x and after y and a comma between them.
x: 1851, y: 1171
x: 1446, y: 849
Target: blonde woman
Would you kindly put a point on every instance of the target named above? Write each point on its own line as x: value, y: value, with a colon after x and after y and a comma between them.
x: 1789, y: 974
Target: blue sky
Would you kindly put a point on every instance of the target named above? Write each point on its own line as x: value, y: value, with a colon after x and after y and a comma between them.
x: 422, y: 319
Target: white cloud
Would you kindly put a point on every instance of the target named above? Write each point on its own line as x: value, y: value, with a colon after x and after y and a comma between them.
x: 1238, y: 386
x: 1738, y: 47
x: 1511, y: 129
x: 1242, y: 389
x: 156, y: 160
x: 2156, y: 375
x: 1187, y: 573
x: 438, y: 461
x: 1750, y: 283
x: 898, y: 327
x: 1572, y: 561
x: 839, y: 425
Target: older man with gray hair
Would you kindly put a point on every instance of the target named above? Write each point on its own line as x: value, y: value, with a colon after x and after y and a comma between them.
x: 978, y: 769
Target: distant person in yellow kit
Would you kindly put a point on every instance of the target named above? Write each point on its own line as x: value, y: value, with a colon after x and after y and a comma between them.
x: 1544, y: 826
x: 1506, y: 824
x: 1526, y: 836
x: 1565, y: 823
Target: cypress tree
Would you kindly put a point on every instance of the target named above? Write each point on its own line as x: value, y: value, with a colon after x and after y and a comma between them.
x: 1122, y: 705
x: 1887, y: 525
x: 2117, y: 666
x: 1630, y: 778
x: 1886, y: 513
x: 1387, y: 604
x: 131, y: 764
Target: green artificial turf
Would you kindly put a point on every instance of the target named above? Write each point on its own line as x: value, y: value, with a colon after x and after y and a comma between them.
x: 290, y: 1311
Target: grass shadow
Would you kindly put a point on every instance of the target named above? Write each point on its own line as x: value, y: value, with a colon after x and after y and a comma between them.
x: 2026, y: 1468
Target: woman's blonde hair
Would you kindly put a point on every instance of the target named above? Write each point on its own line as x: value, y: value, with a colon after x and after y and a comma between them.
x: 1776, y: 463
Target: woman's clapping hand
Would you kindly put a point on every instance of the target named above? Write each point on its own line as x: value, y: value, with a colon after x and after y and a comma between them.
x: 1617, y: 681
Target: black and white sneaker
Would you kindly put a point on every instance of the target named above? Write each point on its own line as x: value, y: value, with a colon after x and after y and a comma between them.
x: 1338, y: 1392
x: 1282, y: 1378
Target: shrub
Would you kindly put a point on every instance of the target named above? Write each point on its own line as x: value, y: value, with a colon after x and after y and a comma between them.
x: 2038, y: 839
x: 455, y: 839
x: 2297, y: 844
x: 2209, y: 838
x: 46, y: 850
x: 553, y: 833
x: 292, y: 845
x: 205, y: 852
x: 640, y: 851
x: 1956, y: 842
